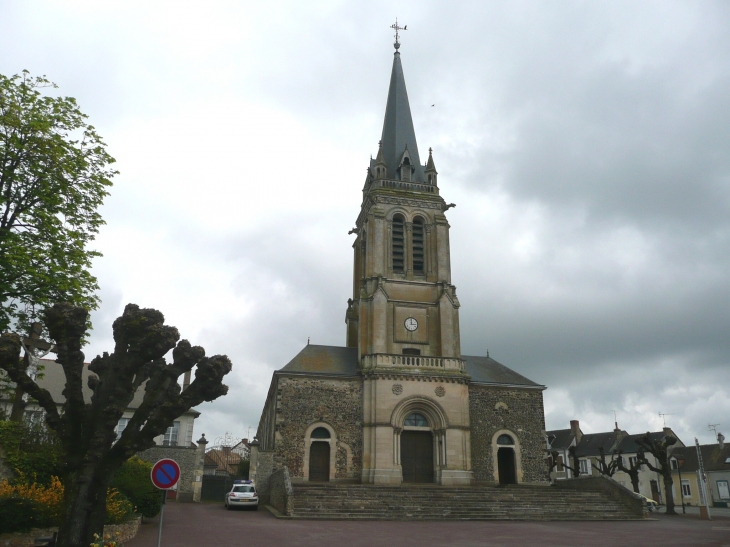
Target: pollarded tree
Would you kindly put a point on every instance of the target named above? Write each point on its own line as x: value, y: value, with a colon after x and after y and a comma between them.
x: 660, y: 449
x: 633, y: 469
x: 604, y: 468
x: 54, y: 175
x: 86, y: 428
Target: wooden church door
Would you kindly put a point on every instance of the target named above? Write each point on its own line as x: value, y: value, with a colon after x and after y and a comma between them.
x: 319, y: 461
x: 417, y: 456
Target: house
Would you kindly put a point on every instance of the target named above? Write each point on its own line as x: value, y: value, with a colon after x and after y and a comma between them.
x: 222, y: 461
x: 53, y: 379
x: 716, y: 461
x: 587, y: 450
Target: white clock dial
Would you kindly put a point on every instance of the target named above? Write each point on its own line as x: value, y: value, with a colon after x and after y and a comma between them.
x: 411, y: 324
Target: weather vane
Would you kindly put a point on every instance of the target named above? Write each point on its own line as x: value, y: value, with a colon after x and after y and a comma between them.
x: 397, y: 28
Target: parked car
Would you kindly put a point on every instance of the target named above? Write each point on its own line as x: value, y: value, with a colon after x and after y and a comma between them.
x: 650, y: 503
x: 242, y: 494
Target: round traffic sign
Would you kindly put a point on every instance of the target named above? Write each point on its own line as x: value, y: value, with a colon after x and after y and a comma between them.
x: 165, y: 474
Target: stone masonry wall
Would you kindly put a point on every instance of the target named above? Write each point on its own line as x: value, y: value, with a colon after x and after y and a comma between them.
x: 185, y: 458
x: 264, y: 469
x: 521, y: 411
x: 303, y: 401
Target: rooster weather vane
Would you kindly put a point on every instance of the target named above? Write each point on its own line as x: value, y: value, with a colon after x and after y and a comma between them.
x: 397, y: 28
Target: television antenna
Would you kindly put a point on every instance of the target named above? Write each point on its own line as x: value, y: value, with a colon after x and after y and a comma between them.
x: 664, y: 417
x: 713, y: 428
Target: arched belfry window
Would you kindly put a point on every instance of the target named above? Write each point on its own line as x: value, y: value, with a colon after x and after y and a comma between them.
x: 320, y: 433
x: 416, y: 419
x: 398, y: 244
x: 417, y: 243
x: 505, y: 440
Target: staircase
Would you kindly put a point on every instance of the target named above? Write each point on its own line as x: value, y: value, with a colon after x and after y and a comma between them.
x: 432, y: 502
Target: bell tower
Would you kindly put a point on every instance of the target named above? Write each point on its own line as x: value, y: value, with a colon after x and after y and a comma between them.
x: 403, y: 316
x: 403, y: 302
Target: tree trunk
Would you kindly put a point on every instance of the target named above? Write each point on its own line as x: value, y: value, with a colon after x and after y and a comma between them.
x: 669, y: 494
x: 635, y: 482
x: 84, y: 506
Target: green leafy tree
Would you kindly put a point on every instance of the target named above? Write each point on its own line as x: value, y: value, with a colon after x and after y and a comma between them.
x: 86, y: 427
x: 54, y: 175
x: 133, y: 480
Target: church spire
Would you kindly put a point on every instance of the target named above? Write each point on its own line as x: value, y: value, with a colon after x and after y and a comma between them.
x: 398, y: 133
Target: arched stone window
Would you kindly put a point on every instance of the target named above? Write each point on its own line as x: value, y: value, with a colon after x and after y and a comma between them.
x: 505, y: 439
x: 398, y: 244
x: 320, y: 433
x: 416, y: 419
x: 417, y: 246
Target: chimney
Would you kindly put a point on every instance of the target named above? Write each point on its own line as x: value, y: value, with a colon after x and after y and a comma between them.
x: 575, y: 430
x: 668, y: 432
x: 721, y: 440
x: 186, y: 380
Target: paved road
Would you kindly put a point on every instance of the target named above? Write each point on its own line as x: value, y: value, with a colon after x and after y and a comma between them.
x: 210, y: 525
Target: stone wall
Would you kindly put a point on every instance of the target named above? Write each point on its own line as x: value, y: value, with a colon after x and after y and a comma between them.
x: 303, y: 401
x: 519, y: 411
x: 262, y: 476
x: 280, y: 491
x: 187, y: 458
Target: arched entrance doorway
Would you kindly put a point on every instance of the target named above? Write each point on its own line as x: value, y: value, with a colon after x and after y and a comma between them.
x: 416, y: 449
x: 506, y: 460
x: 319, y: 455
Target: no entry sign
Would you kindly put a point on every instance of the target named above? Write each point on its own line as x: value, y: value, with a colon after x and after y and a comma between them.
x: 165, y: 474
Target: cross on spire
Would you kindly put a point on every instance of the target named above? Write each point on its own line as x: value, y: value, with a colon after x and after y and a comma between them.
x: 397, y: 28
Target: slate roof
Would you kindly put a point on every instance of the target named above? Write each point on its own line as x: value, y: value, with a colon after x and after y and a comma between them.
x: 590, y: 443
x: 485, y: 370
x: 398, y: 132
x: 563, y: 439
x: 628, y: 444
x: 712, y: 456
x: 342, y: 361
x: 330, y: 360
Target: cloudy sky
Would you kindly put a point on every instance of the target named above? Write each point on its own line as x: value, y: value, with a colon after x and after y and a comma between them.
x: 586, y: 145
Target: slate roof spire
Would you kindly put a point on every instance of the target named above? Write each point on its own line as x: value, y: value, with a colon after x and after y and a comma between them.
x: 398, y: 133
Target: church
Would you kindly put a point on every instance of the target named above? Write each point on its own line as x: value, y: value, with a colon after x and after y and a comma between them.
x: 399, y: 402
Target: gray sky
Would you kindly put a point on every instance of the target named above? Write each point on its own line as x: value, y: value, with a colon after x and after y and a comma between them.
x: 586, y: 145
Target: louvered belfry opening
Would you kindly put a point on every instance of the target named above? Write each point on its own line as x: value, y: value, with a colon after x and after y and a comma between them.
x: 418, y: 246
x: 398, y: 244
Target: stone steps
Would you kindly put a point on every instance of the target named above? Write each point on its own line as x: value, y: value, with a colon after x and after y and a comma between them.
x: 431, y: 502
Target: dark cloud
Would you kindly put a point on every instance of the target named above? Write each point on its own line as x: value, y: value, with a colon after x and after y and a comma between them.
x: 586, y: 146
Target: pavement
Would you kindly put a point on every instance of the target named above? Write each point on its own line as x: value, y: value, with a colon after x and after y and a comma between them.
x: 210, y: 525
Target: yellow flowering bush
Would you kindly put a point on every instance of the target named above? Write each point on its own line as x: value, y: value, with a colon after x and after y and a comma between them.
x: 48, y: 498
x: 118, y: 507
x: 48, y: 501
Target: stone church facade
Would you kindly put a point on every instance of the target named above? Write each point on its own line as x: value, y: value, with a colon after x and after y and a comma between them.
x: 399, y: 403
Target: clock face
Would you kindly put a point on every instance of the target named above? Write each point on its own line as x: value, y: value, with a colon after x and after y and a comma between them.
x: 411, y: 324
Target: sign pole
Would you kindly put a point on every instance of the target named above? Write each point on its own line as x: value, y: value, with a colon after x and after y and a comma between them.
x: 162, y: 512
x: 164, y: 475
